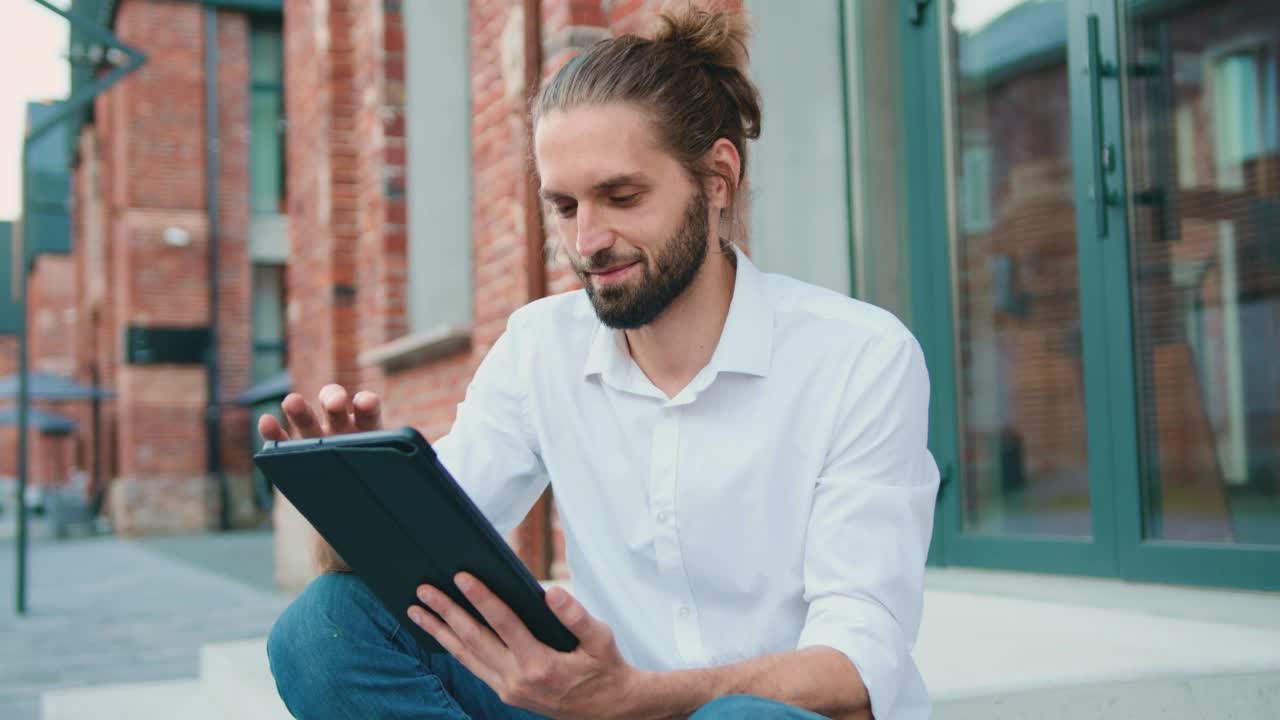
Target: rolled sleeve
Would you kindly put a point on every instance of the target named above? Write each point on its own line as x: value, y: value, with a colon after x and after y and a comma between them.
x: 872, y: 520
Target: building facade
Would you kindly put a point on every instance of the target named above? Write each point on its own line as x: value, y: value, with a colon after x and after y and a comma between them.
x: 1084, y: 246
x: 162, y: 281
x: 1072, y: 203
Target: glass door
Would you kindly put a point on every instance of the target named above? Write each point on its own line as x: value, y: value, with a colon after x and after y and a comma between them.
x: 1104, y: 315
x: 1029, y: 466
x: 1202, y: 278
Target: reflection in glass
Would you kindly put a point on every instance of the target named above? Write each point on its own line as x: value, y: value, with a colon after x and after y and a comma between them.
x: 1204, y: 155
x: 1024, y: 455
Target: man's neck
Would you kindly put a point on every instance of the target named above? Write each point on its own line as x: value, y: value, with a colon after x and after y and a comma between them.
x: 673, y: 348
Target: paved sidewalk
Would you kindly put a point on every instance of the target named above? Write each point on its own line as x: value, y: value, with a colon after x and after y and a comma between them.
x: 105, y: 610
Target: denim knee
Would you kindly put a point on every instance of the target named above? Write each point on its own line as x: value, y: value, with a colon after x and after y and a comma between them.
x: 312, y: 647
x: 749, y: 707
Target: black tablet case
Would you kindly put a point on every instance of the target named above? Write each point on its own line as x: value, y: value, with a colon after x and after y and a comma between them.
x: 388, y: 506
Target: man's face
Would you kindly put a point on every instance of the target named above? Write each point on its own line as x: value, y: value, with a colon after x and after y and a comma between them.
x: 634, y: 225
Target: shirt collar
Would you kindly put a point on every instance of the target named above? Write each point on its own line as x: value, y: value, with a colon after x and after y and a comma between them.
x: 746, y: 342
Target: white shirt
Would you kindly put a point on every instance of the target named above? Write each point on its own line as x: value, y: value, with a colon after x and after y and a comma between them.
x: 783, y: 499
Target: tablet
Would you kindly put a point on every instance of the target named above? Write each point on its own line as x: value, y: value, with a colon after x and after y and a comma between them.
x: 387, y: 505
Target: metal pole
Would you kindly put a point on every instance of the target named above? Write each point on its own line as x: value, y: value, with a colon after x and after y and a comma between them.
x: 214, y: 411
x: 20, y: 599
x: 77, y: 101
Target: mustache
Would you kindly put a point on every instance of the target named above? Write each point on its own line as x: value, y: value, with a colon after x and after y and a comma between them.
x: 608, y: 258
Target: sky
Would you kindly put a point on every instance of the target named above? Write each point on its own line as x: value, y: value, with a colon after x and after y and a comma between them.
x: 33, y: 66
x: 969, y: 15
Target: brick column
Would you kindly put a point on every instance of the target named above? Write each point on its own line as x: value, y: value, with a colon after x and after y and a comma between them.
x: 324, y: 68
x: 235, y: 277
x: 154, y: 179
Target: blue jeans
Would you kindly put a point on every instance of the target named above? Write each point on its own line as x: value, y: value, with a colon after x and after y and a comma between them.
x: 336, y: 652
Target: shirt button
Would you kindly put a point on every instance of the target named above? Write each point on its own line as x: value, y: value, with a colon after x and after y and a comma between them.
x: 664, y: 517
x: 683, y: 611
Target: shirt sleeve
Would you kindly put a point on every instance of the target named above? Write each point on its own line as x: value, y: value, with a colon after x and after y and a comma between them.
x: 491, y: 449
x: 872, y: 520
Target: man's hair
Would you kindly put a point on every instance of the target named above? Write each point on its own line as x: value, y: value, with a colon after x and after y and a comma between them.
x: 689, y: 77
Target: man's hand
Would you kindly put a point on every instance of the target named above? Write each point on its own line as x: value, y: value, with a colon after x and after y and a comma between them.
x: 339, y: 413
x: 593, y: 681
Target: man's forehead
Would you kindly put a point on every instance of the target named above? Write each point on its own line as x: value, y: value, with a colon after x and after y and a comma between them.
x: 589, y: 145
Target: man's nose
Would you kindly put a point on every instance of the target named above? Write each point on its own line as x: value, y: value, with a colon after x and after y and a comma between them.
x: 593, y: 235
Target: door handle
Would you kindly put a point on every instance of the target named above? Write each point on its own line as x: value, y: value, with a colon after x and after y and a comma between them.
x: 1103, y: 155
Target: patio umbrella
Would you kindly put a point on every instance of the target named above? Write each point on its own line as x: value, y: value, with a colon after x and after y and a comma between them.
x: 41, y: 420
x: 44, y: 386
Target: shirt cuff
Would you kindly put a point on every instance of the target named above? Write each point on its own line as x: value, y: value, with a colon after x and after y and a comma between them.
x: 869, y: 636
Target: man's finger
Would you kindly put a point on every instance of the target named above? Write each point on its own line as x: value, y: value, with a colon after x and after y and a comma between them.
x: 269, y: 428
x: 336, y: 406
x: 595, y: 636
x: 478, y: 639
x: 450, y: 641
x: 300, y: 417
x: 368, y: 410
x: 510, y: 629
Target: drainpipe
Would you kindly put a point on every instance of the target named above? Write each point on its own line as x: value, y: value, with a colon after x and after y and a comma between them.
x: 535, y: 258
x: 536, y: 266
x: 213, y: 413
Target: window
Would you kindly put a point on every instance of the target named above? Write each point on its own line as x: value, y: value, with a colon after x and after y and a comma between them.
x: 438, y: 129
x: 974, y: 188
x: 266, y: 116
x: 1245, y: 114
x: 268, y: 320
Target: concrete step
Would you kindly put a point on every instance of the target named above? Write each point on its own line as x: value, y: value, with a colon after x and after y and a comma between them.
x: 131, y: 701
x: 237, y: 676
x: 983, y: 656
x: 235, y: 682
x: 1000, y: 658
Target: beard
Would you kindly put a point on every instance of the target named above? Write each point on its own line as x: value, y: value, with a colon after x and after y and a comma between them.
x: 627, y: 306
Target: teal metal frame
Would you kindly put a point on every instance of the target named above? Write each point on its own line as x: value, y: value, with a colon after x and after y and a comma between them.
x: 9, y: 306
x: 848, y: 88
x: 1117, y: 546
x: 46, y: 188
x: 925, y: 217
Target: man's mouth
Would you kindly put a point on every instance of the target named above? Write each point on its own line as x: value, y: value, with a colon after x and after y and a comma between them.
x: 613, y: 274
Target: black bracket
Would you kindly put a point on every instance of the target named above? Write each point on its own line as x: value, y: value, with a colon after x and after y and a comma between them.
x: 916, y: 11
x: 125, y: 58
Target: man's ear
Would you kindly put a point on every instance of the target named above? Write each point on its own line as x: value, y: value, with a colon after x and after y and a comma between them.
x: 725, y: 162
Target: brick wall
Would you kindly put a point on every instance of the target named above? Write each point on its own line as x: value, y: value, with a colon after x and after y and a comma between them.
x: 140, y: 171
x: 51, y: 317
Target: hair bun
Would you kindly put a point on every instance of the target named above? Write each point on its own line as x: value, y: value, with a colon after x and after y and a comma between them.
x: 718, y: 37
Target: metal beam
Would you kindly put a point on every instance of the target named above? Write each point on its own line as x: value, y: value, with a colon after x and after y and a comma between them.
x: 134, y: 59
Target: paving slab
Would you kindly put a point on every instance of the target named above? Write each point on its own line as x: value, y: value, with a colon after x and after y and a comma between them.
x: 105, y: 611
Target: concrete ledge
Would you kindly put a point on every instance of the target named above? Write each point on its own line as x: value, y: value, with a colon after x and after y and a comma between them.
x: 983, y: 655
x: 983, y: 646
x: 418, y: 348
x: 237, y: 676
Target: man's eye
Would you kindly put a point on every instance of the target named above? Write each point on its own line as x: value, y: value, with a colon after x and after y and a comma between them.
x: 566, y: 210
x: 625, y: 200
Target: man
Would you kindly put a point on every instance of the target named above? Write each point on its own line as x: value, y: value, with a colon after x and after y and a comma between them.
x: 739, y: 459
